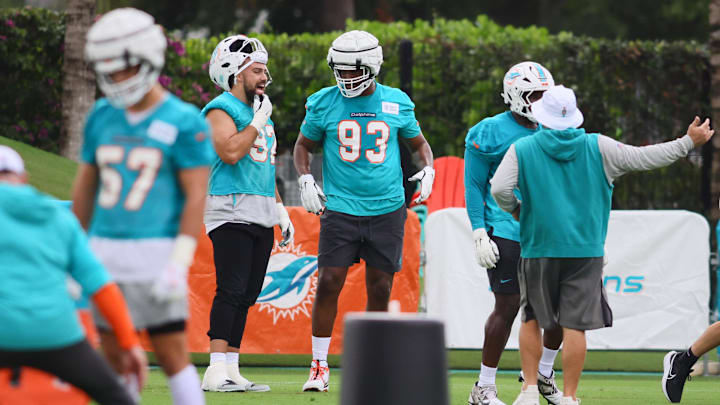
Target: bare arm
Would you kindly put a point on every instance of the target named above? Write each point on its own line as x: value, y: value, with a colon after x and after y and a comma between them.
x: 229, y: 143
x: 194, y: 186
x: 301, y: 154
x: 505, y: 181
x: 420, y: 144
x: 83, y: 193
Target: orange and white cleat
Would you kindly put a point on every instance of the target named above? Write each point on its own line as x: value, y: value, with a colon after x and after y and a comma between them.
x: 319, y: 379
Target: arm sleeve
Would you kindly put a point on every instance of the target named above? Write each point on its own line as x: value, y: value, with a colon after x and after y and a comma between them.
x: 87, y: 151
x: 312, y: 127
x: 193, y: 147
x: 476, y: 185
x: 619, y: 158
x: 505, y: 181
x: 110, y: 302
x: 410, y: 125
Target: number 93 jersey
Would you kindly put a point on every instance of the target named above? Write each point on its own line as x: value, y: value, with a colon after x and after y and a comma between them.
x: 361, y: 158
x: 139, y: 195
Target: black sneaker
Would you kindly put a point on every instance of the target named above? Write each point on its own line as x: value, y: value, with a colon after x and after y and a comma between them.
x: 674, y: 375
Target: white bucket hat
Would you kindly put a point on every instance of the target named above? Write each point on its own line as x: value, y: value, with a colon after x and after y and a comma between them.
x: 10, y: 161
x: 557, y: 109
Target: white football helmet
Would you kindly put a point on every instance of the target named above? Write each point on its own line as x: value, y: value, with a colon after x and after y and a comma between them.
x: 521, y: 80
x: 123, y: 38
x: 355, y: 50
x: 228, y: 59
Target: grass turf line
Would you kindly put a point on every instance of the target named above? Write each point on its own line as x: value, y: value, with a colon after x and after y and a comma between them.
x: 594, y: 389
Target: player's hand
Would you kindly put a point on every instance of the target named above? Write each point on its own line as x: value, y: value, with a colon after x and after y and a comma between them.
x: 286, y: 226
x: 700, y: 133
x: 263, y: 109
x: 313, y: 199
x: 171, y: 284
x: 486, y: 251
x: 426, y: 176
x: 135, y: 367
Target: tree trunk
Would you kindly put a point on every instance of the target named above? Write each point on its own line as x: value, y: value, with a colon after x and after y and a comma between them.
x: 78, y: 78
x: 336, y: 12
x: 715, y: 104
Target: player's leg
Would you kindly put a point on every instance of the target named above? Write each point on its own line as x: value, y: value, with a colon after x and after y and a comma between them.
x: 504, y: 285
x: 233, y: 255
x: 263, y: 240
x: 169, y: 342
x: 677, y: 366
x: 381, y: 248
x: 573, y: 357
x: 79, y: 365
x: 552, y: 339
x: 338, y: 248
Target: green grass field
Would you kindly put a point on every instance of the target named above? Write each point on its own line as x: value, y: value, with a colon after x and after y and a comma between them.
x: 595, y: 389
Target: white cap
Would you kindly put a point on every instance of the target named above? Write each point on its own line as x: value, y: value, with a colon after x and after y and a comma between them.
x: 557, y: 109
x: 10, y: 161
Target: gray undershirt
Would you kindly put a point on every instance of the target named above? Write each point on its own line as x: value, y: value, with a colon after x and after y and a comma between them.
x: 618, y: 158
x: 240, y: 208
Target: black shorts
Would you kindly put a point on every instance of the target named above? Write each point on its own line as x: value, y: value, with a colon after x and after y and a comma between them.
x: 504, y: 277
x: 345, y: 239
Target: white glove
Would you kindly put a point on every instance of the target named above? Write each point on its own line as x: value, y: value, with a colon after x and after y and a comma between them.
x: 312, y: 197
x: 286, y: 226
x: 426, y: 176
x: 486, y: 251
x: 171, y: 284
x: 263, y: 110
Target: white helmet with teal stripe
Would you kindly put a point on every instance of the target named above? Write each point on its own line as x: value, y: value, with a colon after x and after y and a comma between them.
x: 521, y: 80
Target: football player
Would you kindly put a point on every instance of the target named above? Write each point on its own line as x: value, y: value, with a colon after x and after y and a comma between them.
x: 140, y: 189
x: 243, y: 204
x: 358, y: 123
x: 497, y: 233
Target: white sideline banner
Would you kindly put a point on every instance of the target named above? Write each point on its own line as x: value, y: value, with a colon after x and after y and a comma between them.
x: 656, y: 280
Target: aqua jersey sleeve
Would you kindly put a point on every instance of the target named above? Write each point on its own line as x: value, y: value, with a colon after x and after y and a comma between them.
x: 410, y: 125
x: 83, y: 266
x: 312, y: 125
x: 193, y: 147
x: 87, y: 152
x: 477, y: 170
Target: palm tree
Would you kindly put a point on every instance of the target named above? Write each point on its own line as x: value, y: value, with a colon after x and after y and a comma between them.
x: 336, y: 12
x: 78, y: 79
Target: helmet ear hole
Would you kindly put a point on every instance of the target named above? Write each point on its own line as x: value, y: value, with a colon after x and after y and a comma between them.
x: 225, y: 65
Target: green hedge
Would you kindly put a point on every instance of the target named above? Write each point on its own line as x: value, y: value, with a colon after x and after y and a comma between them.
x: 638, y: 92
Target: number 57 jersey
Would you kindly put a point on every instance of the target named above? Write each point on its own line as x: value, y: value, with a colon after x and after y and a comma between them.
x: 138, y: 158
x: 361, y: 158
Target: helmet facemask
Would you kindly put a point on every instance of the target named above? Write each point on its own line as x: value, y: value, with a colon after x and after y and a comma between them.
x: 130, y: 91
x: 353, y: 86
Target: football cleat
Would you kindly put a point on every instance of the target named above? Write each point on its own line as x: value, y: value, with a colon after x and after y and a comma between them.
x: 234, y: 375
x: 547, y: 387
x: 484, y: 395
x: 569, y: 401
x: 319, y: 379
x: 216, y: 379
x: 530, y: 396
x: 674, y: 375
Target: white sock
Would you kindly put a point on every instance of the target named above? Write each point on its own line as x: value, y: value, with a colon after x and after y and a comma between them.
x: 232, y: 357
x: 185, y: 387
x: 487, y: 375
x: 320, y: 346
x: 546, y: 361
x: 217, y: 357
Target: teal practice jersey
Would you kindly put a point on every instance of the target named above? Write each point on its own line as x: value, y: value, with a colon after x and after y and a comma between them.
x: 140, y: 195
x: 255, y: 172
x: 361, y: 157
x: 485, y: 147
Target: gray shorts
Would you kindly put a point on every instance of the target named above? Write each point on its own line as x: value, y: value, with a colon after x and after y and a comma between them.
x: 145, y: 311
x: 565, y: 292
